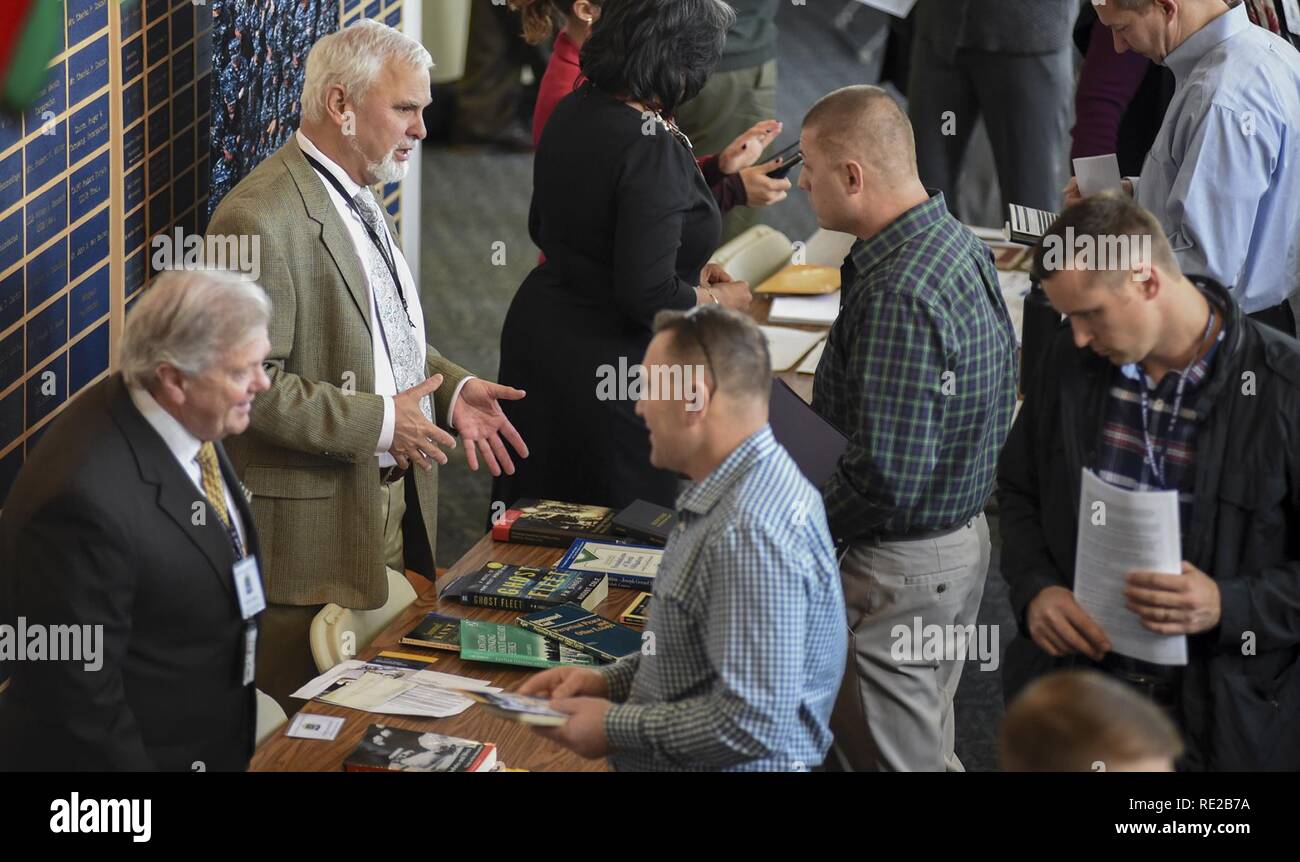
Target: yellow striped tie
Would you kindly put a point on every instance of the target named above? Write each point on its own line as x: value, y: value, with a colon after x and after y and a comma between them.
x: 212, y: 487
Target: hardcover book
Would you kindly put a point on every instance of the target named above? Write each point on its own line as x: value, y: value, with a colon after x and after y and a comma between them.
x: 645, y: 522
x: 637, y: 612
x: 631, y: 567
x: 551, y: 523
x: 584, y: 631
x: 495, y: 642
x: 520, y: 588
x: 435, y: 631
x: 392, y: 749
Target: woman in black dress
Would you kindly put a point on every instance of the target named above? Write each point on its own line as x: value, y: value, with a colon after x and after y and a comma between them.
x: 627, y: 223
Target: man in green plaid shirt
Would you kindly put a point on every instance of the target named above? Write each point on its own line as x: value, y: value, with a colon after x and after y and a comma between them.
x: 919, y: 372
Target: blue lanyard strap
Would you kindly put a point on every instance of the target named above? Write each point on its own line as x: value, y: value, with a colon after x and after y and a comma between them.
x: 1158, y: 465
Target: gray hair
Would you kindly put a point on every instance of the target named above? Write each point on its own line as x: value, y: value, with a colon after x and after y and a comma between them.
x: 187, y: 319
x: 354, y: 57
x: 729, y: 344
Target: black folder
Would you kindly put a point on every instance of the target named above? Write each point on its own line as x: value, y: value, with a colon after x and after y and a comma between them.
x: 813, y: 443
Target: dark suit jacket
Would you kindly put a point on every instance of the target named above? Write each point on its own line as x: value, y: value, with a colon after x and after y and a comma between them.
x: 98, y: 530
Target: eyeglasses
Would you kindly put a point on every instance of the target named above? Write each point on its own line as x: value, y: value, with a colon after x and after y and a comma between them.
x: 692, y: 318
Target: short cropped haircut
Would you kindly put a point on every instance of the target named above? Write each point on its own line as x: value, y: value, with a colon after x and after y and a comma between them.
x: 865, y: 124
x: 354, y: 57
x: 728, y: 344
x: 1104, y: 218
x: 1072, y: 720
x: 188, y: 319
x: 657, y: 52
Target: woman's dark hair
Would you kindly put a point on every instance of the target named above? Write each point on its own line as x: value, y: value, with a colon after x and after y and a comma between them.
x: 657, y: 52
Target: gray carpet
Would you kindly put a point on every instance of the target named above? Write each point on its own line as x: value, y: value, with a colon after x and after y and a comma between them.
x: 473, y: 200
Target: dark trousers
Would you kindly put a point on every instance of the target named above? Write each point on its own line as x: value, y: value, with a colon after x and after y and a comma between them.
x: 1025, y: 102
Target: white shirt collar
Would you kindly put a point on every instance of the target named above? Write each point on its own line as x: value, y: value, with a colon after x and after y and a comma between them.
x: 305, y: 144
x: 183, y: 444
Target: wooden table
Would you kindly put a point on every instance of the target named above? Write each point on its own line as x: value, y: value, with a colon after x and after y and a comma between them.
x: 517, y: 746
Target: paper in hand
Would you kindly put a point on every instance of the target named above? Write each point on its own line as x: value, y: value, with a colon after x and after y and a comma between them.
x: 1097, y: 174
x: 1121, y: 532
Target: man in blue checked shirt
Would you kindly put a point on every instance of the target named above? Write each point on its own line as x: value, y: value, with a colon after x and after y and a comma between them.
x: 747, y: 620
x: 919, y: 372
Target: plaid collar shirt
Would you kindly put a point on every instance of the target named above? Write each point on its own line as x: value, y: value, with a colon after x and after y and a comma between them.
x: 1123, y: 460
x: 919, y: 372
x: 747, y: 626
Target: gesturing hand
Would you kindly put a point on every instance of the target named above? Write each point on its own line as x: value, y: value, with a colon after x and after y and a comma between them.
x: 415, y: 438
x: 745, y: 149
x: 481, y: 422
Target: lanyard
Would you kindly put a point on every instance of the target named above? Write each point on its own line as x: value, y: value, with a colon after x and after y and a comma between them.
x: 1158, y: 466
x: 385, y: 251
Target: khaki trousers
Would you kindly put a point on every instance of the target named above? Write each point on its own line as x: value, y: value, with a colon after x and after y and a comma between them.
x: 284, y: 659
x: 895, y: 710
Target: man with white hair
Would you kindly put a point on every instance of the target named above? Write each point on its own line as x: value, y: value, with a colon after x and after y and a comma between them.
x: 129, y: 583
x: 357, y: 396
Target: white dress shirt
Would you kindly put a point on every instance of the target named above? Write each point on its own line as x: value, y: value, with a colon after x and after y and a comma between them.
x: 184, y: 446
x: 385, y: 384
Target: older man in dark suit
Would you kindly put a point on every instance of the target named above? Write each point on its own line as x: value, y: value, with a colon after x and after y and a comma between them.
x: 129, y: 582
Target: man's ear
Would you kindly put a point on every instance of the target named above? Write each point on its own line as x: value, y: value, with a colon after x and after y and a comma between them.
x: 336, y: 103
x: 171, y: 383
x: 1149, y: 280
x: 698, y: 406
x: 855, y: 178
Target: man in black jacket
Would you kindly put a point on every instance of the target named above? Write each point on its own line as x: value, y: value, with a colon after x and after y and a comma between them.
x: 129, y: 585
x: 1161, y: 382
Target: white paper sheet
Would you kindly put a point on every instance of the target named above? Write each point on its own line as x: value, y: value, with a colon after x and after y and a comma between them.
x: 897, y: 8
x: 1015, y: 286
x: 809, y: 364
x: 429, y: 693
x: 817, y: 310
x: 787, y: 346
x: 1120, y: 532
x: 1097, y: 174
x: 369, y: 692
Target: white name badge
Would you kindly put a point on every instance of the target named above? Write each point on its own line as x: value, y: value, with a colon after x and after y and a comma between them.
x: 250, y: 654
x: 248, y: 587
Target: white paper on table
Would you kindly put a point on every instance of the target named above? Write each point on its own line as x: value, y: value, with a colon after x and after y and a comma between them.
x: 1097, y: 174
x: 897, y: 8
x: 426, y: 701
x: 452, y: 681
x: 787, y: 346
x: 818, y: 310
x: 368, y: 692
x: 328, y: 678
x: 809, y: 364
x: 1123, y: 531
x: 1015, y: 287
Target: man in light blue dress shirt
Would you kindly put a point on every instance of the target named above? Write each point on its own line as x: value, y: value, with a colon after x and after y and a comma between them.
x: 744, y: 649
x: 1223, y: 176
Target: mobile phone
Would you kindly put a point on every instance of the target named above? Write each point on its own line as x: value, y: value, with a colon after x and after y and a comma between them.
x: 783, y: 171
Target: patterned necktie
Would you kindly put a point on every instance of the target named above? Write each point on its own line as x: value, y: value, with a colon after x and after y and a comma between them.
x: 403, y: 342
x: 215, y: 491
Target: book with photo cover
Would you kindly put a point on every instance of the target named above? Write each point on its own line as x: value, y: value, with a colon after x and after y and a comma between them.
x: 521, y: 588
x: 518, y: 707
x: 551, y: 523
x: 584, y: 631
x: 630, y: 567
x: 392, y: 749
